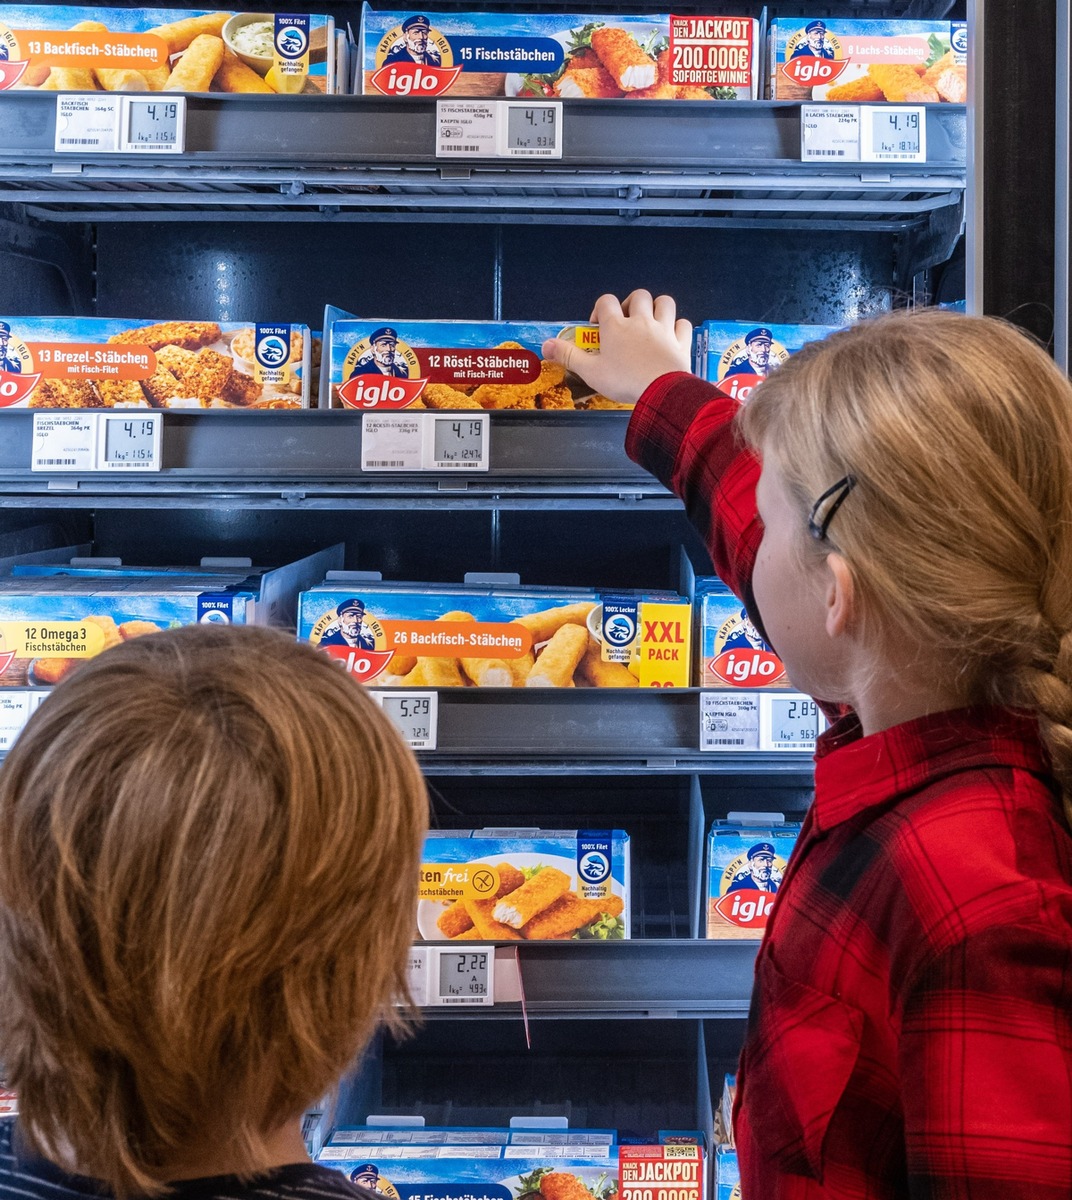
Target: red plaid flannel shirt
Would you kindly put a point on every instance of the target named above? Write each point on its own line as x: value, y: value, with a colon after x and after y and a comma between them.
x: 911, y: 1024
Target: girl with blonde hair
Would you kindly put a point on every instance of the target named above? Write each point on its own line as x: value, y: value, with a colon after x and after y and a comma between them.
x: 894, y: 507
x: 209, y: 849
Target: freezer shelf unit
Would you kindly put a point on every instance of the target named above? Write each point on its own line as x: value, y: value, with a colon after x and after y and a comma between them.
x: 362, y: 157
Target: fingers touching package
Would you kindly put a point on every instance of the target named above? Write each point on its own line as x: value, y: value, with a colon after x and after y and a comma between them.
x: 524, y: 884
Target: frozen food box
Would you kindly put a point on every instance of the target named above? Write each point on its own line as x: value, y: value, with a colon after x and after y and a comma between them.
x: 97, y: 362
x: 738, y: 355
x: 429, y: 635
x: 275, y: 589
x: 69, y: 49
x: 388, y: 364
x: 414, y: 52
x: 467, y: 1170
x: 731, y: 651
x: 671, y: 1171
x: 49, y: 626
x: 461, y: 1137
x: 868, y: 62
x: 727, y: 1174
x: 532, y: 884
x: 745, y: 867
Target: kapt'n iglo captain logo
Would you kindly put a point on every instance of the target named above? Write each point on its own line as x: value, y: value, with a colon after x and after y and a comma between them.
x: 381, y: 371
x: 813, y: 56
x: 413, y: 59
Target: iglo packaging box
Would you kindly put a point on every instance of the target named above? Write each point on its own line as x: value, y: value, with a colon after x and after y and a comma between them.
x: 594, y: 1142
x: 868, y: 62
x: 442, y: 635
x: 731, y: 652
x: 62, y: 48
x: 274, y: 589
x: 50, y: 625
x: 387, y: 364
x: 738, y: 355
x: 93, y: 362
x: 481, y: 1164
x: 417, y: 53
x: 534, y: 884
x: 673, y: 1171
x: 727, y: 1174
x: 746, y: 863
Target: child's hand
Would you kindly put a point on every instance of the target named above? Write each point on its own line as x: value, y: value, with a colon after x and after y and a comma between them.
x: 639, y: 340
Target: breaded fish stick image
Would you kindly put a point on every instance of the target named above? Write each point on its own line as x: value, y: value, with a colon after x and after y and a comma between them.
x: 157, y: 77
x: 121, y: 80
x: 73, y: 79
x: 435, y: 672
x: 488, y: 672
x: 560, y: 1185
x: 456, y: 917
x: 480, y: 914
x: 442, y: 395
x: 626, y: 63
x: 520, y: 667
x: 196, y: 69
x: 65, y: 393
x: 208, y: 375
x: 543, y: 625
x: 559, y: 658
x: 594, y: 671
x: 534, y: 895
x: 587, y: 83
x: 179, y: 34
x: 235, y: 76
x: 126, y: 393
x: 401, y: 664
x: 556, y: 397
x: 472, y: 934
x: 861, y: 90
x: 901, y: 84
x: 189, y: 335
x: 176, y: 359
x: 161, y: 387
x: 570, y: 913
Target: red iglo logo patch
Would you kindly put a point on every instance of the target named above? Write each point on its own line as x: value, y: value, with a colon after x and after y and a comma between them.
x: 363, y: 665
x: 413, y: 79
x: 363, y: 391
x: 746, y: 908
x: 11, y: 73
x: 14, y: 389
x: 748, y: 668
x: 808, y: 71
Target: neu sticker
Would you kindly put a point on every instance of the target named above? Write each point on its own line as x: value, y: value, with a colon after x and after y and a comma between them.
x: 11, y: 73
x: 363, y: 665
x: 807, y: 71
x: 748, y: 668
x: 364, y: 391
x: 14, y: 389
x: 414, y: 79
x: 746, y: 908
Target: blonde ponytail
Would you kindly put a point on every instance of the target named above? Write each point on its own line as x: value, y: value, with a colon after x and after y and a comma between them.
x: 959, y: 533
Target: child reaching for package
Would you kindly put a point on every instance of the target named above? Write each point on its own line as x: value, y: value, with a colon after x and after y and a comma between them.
x: 894, y: 507
x: 209, y: 851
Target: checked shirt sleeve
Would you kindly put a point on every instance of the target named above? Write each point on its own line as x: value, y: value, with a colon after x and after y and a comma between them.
x: 682, y: 431
x: 986, y: 1069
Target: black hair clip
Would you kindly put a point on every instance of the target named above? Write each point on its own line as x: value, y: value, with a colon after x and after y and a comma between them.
x: 825, y: 508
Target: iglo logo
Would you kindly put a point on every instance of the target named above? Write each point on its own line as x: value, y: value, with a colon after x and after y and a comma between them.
x: 272, y: 351
x: 290, y: 42
x: 594, y: 866
x: 619, y: 629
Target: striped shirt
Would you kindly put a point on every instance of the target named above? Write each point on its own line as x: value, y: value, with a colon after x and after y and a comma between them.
x: 25, y: 1177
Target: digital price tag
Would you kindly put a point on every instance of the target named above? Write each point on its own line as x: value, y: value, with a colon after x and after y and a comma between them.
x: 154, y: 124
x: 829, y: 133
x: 789, y: 722
x: 893, y: 133
x: 103, y: 123
x: 464, y: 977
x: 87, y: 124
x: 130, y: 443
x: 415, y: 441
x: 729, y: 721
x: 415, y: 713
x: 460, y: 443
x: 505, y: 129
x: 85, y: 442
x: 64, y: 442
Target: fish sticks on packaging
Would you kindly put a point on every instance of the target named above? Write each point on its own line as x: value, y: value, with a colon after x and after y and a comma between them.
x: 469, y: 635
x: 851, y: 61
x: 68, y: 48
x: 420, y: 53
x: 99, y: 362
x: 524, y: 884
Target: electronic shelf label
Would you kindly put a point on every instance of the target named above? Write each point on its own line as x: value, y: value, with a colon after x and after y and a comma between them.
x: 768, y: 722
x: 865, y: 133
x: 99, y: 123
x: 416, y: 441
x: 506, y: 129
x: 448, y: 977
x: 85, y: 442
x: 416, y: 714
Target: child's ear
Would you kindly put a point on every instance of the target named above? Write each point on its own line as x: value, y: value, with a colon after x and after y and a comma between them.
x: 840, y: 596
